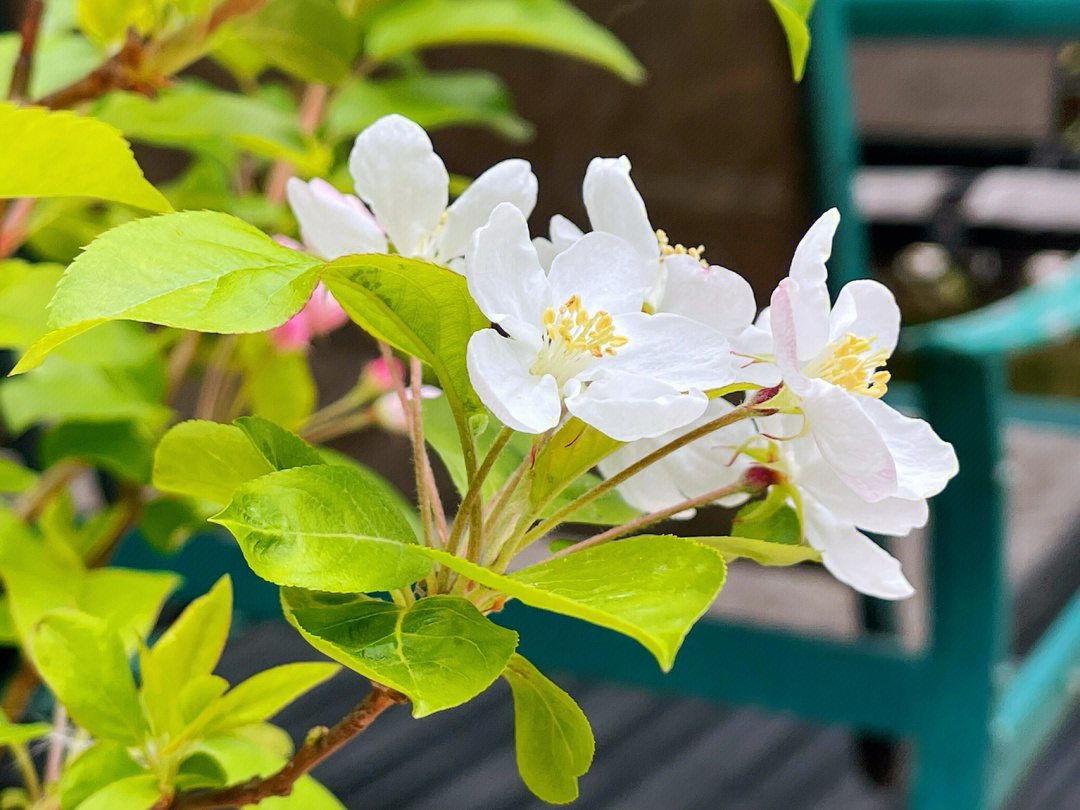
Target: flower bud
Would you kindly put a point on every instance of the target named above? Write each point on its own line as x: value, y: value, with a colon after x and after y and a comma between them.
x: 758, y: 478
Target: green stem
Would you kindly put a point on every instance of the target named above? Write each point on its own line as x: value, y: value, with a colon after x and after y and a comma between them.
x: 26, y: 769
x: 420, y: 447
x: 652, y: 517
x: 732, y: 416
x: 476, y: 485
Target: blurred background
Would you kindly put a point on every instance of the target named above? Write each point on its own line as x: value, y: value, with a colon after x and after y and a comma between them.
x: 970, y: 189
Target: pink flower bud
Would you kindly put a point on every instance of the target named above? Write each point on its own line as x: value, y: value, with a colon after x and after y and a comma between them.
x: 319, y: 316
x: 381, y: 374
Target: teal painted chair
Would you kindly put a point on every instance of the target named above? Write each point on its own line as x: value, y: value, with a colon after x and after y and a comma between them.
x: 974, y: 732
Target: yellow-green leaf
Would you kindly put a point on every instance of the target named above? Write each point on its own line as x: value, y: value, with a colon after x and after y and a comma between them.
x: 552, y: 738
x: 440, y: 652
x: 60, y: 154
x: 651, y: 587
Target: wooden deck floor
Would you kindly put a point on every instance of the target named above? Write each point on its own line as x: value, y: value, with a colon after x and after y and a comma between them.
x: 651, y: 752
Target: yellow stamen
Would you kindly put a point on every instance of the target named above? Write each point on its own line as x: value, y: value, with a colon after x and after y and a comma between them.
x: 572, y: 337
x: 668, y: 249
x: 852, y: 363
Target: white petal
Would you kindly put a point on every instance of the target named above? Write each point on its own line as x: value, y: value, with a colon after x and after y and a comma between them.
x: 615, y: 206
x: 750, y: 343
x: 649, y: 490
x: 511, y: 181
x: 499, y: 371
x: 868, y: 309
x: 713, y: 295
x: 604, y: 272
x: 562, y: 233
x: 504, y: 276
x: 332, y: 224
x: 673, y: 350
x: 808, y: 271
x: 853, y: 558
x: 785, y: 339
x: 849, y: 440
x: 924, y: 461
x: 627, y: 407
x: 896, y: 516
x: 398, y: 174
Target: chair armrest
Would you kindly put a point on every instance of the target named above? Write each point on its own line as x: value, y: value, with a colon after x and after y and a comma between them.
x: 1038, y: 315
x: 974, y: 18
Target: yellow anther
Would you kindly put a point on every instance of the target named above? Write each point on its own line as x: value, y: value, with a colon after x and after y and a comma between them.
x: 668, y: 249
x: 852, y: 363
x: 573, y: 337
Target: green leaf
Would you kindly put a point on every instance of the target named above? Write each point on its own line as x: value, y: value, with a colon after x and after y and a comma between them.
x: 793, y: 15
x: 41, y: 575
x: 242, y: 759
x: 126, y: 449
x: 19, y: 733
x: 82, y: 660
x: 761, y: 551
x: 771, y: 519
x: 14, y: 477
x: 277, y: 385
x: 114, y: 373
x: 433, y: 100
x: 440, y: 652
x: 281, y: 449
x: 419, y: 308
x: 325, y: 528
x: 167, y: 523
x: 25, y: 290
x: 108, y: 20
x: 128, y: 599
x: 309, y: 39
x: 189, y: 648
x: 130, y: 793
x: 206, y: 460
x: 98, y: 766
x: 551, y: 734
x: 60, y: 154
x: 202, y: 270
x: 260, y: 696
x: 551, y: 25
x: 196, y: 695
x: 651, y: 587
x: 213, y: 122
x: 60, y: 58
x: 200, y: 769
x: 574, y: 449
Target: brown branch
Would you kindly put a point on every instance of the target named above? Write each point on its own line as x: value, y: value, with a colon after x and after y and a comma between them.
x: 28, y: 31
x: 319, y: 744
x: 30, y: 503
x: 119, y: 72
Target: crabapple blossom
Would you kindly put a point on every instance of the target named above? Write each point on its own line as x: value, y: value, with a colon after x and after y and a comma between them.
x: 686, y: 284
x: 832, y: 361
x: 406, y: 186
x: 577, y: 337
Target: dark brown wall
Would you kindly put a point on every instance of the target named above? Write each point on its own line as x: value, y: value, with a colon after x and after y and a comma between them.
x: 714, y: 133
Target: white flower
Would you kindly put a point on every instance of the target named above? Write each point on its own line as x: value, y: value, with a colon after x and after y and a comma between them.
x: 577, y: 336
x: 397, y: 173
x: 704, y: 465
x: 686, y: 285
x: 832, y: 358
x: 833, y: 514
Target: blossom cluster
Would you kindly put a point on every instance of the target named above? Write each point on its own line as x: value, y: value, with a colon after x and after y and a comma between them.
x: 645, y: 340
